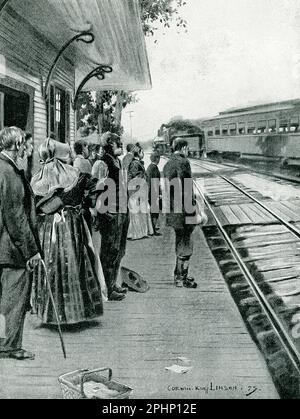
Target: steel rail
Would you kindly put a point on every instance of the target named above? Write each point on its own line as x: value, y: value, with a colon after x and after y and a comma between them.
x: 280, y: 331
x: 292, y: 179
x: 3, y: 4
x: 294, y: 230
x: 276, y: 324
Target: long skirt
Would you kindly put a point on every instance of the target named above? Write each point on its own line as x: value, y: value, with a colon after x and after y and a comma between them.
x: 140, y: 221
x: 97, y: 241
x: 72, y: 272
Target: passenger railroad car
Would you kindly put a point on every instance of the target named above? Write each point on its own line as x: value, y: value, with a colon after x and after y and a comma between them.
x: 269, y: 131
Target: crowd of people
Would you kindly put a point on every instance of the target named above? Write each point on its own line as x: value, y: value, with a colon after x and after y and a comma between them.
x: 57, y: 243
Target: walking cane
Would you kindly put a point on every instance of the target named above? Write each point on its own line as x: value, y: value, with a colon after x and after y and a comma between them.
x: 55, y: 310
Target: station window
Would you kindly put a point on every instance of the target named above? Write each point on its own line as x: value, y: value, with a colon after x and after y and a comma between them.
x: 210, y: 132
x: 14, y: 108
x: 262, y: 127
x: 294, y: 124
x: 251, y: 128
x: 217, y: 131
x: 283, y: 125
x: 225, y: 130
x: 272, y: 126
x: 59, y: 113
x: 232, y: 129
x: 242, y: 128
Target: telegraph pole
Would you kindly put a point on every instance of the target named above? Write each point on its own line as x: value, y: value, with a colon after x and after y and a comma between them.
x: 131, y: 117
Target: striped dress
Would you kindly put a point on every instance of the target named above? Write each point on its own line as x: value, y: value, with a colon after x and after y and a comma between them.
x: 70, y: 260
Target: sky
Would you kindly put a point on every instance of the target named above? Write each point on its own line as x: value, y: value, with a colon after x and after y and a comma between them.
x: 235, y: 53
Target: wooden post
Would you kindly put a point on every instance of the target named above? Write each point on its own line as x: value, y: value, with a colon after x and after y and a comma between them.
x: 99, y: 99
x: 119, y: 108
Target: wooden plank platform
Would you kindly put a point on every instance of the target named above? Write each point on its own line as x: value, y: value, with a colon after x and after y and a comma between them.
x: 142, y: 335
x: 242, y: 214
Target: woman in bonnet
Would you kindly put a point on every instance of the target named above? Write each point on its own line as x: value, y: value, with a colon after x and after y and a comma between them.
x: 63, y: 196
x: 140, y: 219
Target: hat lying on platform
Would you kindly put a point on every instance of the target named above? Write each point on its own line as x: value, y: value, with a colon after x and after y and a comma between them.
x: 134, y: 281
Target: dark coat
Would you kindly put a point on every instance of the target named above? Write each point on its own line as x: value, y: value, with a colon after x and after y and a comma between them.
x: 114, y: 167
x: 136, y: 169
x: 153, y: 173
x: 127, y: 160
x: 18, y: 225
x: 116, y: 174
x: 178, y: 169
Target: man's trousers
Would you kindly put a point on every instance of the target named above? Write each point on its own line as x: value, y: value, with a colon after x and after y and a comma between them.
x: 15, y: 288
x: 184, y: 251
x: 114, y: 231
x: 184, y: 242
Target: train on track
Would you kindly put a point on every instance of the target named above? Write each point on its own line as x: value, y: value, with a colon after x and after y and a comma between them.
x: 262, y: 132
x: 196, y: 141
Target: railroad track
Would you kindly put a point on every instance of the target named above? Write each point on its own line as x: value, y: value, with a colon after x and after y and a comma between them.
x: 257, y: 246
x: 279, y: 177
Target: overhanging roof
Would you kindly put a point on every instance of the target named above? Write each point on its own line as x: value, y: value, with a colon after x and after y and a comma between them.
x: 119, y: 39
x: 286, y: 104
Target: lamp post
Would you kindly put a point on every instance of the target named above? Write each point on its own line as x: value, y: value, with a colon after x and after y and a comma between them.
x: 131, y: 117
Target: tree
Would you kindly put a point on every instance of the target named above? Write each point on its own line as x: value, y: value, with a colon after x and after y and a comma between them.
x: 104, y: 109
x: 164, y: 12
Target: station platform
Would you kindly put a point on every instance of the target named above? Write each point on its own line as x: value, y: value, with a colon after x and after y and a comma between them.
x: 142, y: 335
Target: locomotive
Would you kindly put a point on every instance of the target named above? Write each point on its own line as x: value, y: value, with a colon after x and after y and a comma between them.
x: 195, y: 138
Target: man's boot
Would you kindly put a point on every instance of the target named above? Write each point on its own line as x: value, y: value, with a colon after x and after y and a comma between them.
x: 109, y: 275
x: 178, y: 273
x: 188, y: 281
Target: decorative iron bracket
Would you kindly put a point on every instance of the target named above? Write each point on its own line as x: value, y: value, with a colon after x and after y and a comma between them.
x: 99, y: 72
x: 80, y: 37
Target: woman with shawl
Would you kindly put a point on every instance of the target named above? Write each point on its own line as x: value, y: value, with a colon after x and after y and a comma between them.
x: 140, y: 219
x: 63, y: 197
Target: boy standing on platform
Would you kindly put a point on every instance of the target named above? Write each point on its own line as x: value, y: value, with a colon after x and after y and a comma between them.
x: 178, y: 172
x: 153, y: 178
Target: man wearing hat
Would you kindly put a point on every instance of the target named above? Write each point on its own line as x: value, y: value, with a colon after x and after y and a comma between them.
x: 178, y: 171
x: 113, y: 224
x: 129, y: 157
x: 153, y: 178
x: 19, y: 244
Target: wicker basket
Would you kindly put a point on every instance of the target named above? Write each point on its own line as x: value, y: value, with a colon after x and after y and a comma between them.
x: 72, y: 384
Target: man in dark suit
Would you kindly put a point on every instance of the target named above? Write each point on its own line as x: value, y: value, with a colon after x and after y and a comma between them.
x: 153, y: 178
x: 114, y: 223
x: 19, y: 244
x: 26, y: 163
x: 182, y: 211
x: 128, y: 158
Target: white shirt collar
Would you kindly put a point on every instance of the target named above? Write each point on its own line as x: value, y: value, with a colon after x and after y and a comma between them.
x: 9, y: 158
